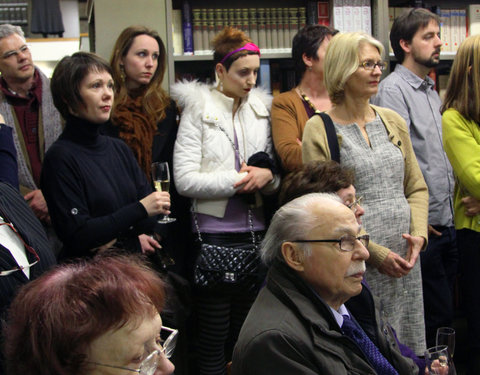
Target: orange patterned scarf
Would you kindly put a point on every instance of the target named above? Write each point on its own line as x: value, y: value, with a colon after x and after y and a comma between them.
x: 137, y: 129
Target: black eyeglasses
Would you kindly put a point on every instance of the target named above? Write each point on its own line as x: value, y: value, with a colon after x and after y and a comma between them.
x: 347, y: 242
x: 27, y: 247
x: 370, y: 65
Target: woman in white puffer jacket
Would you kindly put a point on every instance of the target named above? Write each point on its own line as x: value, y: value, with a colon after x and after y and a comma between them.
x: 223, y: 160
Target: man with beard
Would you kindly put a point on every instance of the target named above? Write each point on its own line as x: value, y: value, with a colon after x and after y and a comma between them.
x: 415, y: 40
x: 299, y: 323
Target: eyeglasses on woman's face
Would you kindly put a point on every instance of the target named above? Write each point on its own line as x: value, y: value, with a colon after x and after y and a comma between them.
x: 370, y: 65
x: 168, y: 340
x: 347, y: 242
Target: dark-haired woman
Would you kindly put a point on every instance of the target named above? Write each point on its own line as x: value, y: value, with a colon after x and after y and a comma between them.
x: 221, y: 128
x: 292, y: 109
x: 95, y: 191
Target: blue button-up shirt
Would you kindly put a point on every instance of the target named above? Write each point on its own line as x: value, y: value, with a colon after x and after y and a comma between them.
x: 416, y: 100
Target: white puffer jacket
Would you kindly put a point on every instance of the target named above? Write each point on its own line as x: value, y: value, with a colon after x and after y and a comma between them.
x: 204, y: 158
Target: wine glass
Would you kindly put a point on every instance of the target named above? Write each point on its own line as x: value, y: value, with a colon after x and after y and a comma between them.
x: 438, y: 361
x: 161, y: 181
x: 446, y: 336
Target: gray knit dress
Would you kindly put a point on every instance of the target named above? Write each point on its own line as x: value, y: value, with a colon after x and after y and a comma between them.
x: 379, y: 175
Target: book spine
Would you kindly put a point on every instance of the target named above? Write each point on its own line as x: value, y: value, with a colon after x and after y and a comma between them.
x: 323, y: 13
x: 462, y: 13
x: 357, y: 15
x: 286, y: 28
x: 218, y: 20
x: 177, y: 36
x: 274, y: 15
x: 253, y: 21
x: 348, y: 16
x: 293, y: 15
x: 302, y: 17
x: 187, y: 29
x: 204, y: 23
x: 262, y: 33
x: 268, y: 28
x: 473, y: 19
x: 367, y: 17
x: 445, y: 34
x: 455, y: 29
x: 338, y: 15
x: 210, y: 25
x: 279, y: 27
x: 312, y: 12
x: 245, y: 22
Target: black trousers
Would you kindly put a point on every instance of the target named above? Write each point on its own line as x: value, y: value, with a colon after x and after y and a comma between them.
x: 220, y: 313
x: 439, y: 264
x: 469, y: 250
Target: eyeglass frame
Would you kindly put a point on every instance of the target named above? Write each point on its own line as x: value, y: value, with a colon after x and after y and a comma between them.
x: 167, y: 351
x: 382, y: 65
x: 354, y: 205
x: 364, y: 237
x: 27, y: 247
x: 15, y: 52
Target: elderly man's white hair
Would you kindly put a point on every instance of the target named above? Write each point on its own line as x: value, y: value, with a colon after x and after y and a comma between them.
x: 7, y: 30
x: 291, y: 222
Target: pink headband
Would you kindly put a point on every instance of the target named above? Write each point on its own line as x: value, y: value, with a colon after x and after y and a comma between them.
x: 249, y: 47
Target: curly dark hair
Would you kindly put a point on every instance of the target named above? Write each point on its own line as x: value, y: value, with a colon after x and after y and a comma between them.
x: 315, y: 177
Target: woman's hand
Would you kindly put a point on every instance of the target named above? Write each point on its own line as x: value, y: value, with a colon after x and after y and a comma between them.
x: 415, y: 244
x: 149, y: 244
x: 472, y: 206
x: 255, y: 180
x: 394, y: 266
x: 157, y: 203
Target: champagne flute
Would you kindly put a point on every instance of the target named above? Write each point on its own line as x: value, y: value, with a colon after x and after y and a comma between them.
x: 438, y: 361
x: 161, y: 181
x: 446, y: 336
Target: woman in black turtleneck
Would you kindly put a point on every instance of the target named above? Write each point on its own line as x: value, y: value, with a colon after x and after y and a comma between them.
x: 97, y: 195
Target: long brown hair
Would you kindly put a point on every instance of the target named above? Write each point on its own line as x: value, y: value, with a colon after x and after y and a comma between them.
x: 463, y: 89
x: 155, y: 99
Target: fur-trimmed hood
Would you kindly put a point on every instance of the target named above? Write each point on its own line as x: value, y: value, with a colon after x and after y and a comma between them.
x: 198, y: 94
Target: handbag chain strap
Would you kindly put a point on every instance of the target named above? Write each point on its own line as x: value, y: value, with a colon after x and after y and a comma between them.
x: 250, y: 221
x: 250, y: 215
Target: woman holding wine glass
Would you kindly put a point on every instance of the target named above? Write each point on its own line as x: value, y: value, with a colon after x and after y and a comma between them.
x: 96, y: 193
x: 223, y: 162
x: 145, y: 117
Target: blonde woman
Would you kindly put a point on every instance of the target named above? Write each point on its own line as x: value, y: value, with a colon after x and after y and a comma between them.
x: 375, y: 143
x: 461, y: 139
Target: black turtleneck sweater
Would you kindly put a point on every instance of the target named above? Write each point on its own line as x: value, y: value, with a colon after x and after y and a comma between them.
x: 92, y: 184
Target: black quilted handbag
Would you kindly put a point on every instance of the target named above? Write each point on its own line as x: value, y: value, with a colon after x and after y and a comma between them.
x: 219, y: 265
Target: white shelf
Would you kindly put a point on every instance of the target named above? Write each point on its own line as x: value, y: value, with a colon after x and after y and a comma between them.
x: 286, y: 54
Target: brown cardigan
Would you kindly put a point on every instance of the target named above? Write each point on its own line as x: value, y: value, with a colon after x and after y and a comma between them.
x: 288, y: 121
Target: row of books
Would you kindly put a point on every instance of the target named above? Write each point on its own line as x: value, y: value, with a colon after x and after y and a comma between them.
x: 13, y: 14
x: 352, y: 15
x: 272, y: 29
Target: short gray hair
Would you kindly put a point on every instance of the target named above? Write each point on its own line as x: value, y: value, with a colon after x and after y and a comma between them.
x: 292, y: 221
x: 7, y: 30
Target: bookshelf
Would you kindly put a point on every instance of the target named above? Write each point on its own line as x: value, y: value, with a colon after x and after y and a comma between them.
x: 278, y: 58
x: 14, y: 12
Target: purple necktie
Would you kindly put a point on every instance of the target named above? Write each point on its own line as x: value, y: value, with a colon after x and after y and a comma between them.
x: 377, y: 360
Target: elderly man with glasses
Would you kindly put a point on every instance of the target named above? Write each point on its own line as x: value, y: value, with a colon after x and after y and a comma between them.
x: 299, y: 323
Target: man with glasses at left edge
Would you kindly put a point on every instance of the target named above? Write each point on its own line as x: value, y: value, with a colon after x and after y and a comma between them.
x: 27, y: 106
